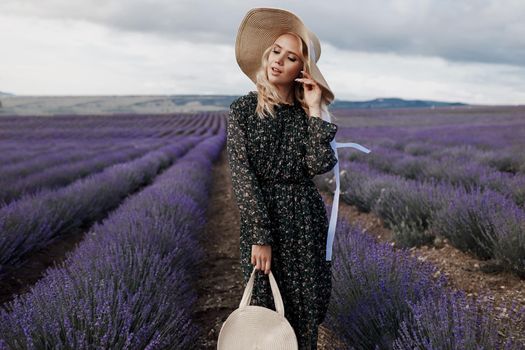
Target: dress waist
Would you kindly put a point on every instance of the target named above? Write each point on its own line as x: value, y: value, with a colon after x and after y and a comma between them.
x: 281, y: 181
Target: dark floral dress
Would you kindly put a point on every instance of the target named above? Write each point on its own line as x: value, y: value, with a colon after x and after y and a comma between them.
x: 272, y: 164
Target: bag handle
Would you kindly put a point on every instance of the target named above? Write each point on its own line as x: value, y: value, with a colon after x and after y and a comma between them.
x: 277, y: 299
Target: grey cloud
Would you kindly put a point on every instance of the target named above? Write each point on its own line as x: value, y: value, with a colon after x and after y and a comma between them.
x: 485, y: 31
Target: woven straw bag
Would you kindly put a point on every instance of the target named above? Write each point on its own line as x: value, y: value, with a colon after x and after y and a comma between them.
x: 253, y: 327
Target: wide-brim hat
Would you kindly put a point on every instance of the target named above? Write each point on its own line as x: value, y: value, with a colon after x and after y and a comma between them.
x: 259, y: 29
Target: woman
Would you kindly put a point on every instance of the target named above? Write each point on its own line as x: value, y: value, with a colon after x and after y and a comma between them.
x: 277, y: 142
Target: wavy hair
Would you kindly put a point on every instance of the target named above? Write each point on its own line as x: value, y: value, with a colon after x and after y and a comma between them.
x: 268, y: 96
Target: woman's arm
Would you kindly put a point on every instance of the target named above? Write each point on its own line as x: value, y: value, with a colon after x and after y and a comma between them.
x: 320, y: 157
x: 245, y: 184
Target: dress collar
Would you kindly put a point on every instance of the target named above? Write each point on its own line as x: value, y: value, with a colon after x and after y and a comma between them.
x: 296, y: 103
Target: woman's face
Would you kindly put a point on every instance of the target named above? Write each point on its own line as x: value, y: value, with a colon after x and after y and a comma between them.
x: 284, y: 57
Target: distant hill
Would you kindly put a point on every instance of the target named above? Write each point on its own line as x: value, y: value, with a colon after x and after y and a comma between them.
x: 383, y: 103
x: 392, y: 103
x: 116, y: 104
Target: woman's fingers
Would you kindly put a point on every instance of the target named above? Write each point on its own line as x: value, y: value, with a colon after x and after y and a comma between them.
x: 264, y: 264
x: 307, y: 75
x: 309, y: 83
x: 306, y: 81
x: 261, y: 257
x: 267, y: 267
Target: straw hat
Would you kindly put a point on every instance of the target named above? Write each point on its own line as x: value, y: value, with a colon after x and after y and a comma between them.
x: 260, y: 28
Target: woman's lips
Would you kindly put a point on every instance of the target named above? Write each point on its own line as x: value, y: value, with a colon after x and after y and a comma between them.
x: 275, y: 72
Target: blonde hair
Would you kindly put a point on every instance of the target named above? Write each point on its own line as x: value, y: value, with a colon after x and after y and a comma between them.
x: 268, y: 96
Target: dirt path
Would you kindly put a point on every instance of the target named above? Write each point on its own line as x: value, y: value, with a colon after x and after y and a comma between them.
x: 220, y: 285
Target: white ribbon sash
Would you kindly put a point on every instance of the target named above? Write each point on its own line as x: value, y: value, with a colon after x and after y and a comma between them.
x: 335, y: 204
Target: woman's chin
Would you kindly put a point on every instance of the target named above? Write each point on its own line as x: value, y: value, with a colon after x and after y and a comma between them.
x: 278, y: 81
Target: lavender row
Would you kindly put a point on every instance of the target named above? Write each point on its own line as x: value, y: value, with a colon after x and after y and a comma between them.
x: 484, y: 223
x: 483, y: 128
x: 129, y: 284
x: 14, y: 152
x: 195, y: 125
x: 23, y: 164
x: 15, y: 179
x: 18, y: 155
x: 34, y: 221
x: 383, y: 298
x: 27, y: 138
x: 40, y: 128
x: 53, y: 177
x: 456, y: 170
x: 494, y: 145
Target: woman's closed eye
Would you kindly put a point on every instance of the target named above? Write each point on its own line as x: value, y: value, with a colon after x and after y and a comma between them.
x: 290, y: 58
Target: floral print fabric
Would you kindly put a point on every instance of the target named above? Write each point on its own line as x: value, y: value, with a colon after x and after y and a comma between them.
x: 272, y: 163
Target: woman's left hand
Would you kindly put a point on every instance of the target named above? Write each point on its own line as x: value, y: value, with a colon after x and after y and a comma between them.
x: 312, y: 90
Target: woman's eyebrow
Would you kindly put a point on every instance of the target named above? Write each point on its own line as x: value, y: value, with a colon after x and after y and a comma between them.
x: 288, y: 50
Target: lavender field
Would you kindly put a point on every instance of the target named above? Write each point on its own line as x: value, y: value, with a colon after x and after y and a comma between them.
x: 138, y: 185
x: 136, y: 188
x: 454, y: 172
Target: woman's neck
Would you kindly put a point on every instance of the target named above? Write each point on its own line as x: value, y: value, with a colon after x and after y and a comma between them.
x: 286, y: 94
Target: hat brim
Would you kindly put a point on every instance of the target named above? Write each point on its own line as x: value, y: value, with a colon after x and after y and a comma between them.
x: 260, y: 28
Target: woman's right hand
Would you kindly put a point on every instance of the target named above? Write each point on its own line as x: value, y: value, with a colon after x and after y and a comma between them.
x: 262, y: 257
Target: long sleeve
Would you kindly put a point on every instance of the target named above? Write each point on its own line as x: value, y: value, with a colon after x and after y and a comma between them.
x: 320, y: 157
x: 250, y: 201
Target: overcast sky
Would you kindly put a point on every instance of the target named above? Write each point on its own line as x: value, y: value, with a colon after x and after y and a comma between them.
x: 448, y: 50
